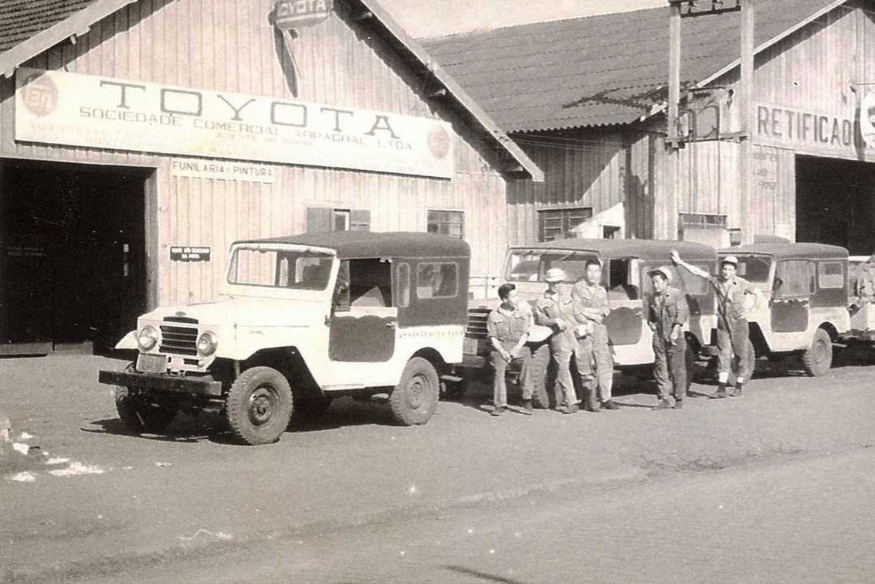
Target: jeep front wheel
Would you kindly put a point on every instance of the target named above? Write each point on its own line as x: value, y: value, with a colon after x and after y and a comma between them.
x: 415, y: 398
x: 259, y: 406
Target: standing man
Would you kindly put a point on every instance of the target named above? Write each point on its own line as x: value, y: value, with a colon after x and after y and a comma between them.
x: 555, y: 310
x: 667, y: 312
x: 733, y: 332
x: 591, y: 308
x: 508, y: 329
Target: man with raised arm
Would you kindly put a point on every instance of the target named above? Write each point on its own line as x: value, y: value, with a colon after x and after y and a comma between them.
x: 733, y: 332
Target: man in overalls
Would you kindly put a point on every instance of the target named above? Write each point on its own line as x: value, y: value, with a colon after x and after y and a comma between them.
x: 555, y: 310
x: 733, y: 332
x: 591, y: 308
x: 508, y: 330
x: 667, y: 312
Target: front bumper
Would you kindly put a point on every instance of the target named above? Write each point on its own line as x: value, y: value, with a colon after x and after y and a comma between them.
x: 170, y: 383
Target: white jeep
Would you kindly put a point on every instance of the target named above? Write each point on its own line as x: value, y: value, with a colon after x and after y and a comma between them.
x: 304, y: 319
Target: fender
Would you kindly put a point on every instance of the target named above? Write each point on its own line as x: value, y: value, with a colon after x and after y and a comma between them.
x: 129, y: 341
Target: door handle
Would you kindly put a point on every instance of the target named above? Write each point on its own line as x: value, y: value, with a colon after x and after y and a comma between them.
x: 390, y: 325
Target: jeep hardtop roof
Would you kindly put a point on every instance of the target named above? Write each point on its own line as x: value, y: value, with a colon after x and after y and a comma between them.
x: 366, y: 244
x: 644, y: 249
x: 789, y: 250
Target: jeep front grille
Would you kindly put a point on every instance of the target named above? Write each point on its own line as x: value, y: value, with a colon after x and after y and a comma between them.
x: 178, y: 340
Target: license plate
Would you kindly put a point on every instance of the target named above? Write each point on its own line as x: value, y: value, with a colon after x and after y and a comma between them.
x: 152, y: 363
x: 470, y: 346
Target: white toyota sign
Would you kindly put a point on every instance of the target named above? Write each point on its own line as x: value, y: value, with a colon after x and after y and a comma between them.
x: 55, y: 107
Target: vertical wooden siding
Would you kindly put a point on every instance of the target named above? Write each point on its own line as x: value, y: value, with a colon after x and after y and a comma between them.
x: 229, y: 45
x: 586, y: 169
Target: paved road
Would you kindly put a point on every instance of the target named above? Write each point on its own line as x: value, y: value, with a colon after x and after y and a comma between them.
x: 789, y: 463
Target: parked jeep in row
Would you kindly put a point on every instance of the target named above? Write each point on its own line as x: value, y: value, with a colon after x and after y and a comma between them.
x: 304, y: 319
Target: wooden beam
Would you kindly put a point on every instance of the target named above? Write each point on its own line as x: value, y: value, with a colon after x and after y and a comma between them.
x: 674, y: 73
x: 745, y: 103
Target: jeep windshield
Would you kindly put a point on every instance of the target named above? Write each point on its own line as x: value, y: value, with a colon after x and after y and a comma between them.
x: 303, y: 269
x: 531, y: 265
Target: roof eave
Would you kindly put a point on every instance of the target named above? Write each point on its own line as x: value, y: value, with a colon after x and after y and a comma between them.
x: 526, y: 165
x: 76, y: 25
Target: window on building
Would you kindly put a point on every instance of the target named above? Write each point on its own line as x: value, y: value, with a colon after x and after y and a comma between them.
x: 437, y: 280
x: 450, y: 223
x: 560, y: 223
x: 611, y: 232
x: 327, y: 219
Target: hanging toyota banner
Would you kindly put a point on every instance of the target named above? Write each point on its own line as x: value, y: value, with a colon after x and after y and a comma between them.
x: 55, y: 107
x: 867, y: 119
x: 291, y: 14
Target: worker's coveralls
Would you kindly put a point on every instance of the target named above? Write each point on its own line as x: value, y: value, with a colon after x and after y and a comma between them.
x: 733, y: 331
x: 670, y: 368
x: 508, y: 328
x: 556, y: 311
x: 591, y: 302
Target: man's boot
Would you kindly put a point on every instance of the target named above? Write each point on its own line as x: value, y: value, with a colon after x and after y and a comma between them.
x: 721, y: 392
x: 527, y: 407
x: 678, y: 404
x: 592, y: 399
x: 738, y: 391
x: 663, y: 404
x: 497, y: 411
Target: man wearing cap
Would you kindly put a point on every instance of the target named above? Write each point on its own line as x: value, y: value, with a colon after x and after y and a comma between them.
x: 667, y: 312
x: 555, y: 310
x: 591, y: 308
x: 733, y: 331
x: 508, y: 330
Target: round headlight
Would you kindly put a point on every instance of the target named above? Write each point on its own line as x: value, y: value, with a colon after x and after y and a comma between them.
x: 147, y: 338
x: 207, y: 343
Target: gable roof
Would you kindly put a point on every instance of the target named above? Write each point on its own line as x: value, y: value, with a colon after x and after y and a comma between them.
x: 602, y: 70
x: 30, y: 27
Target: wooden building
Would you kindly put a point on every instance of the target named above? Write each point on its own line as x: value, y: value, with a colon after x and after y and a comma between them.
x: 139, y: 138
x: 586, y: 99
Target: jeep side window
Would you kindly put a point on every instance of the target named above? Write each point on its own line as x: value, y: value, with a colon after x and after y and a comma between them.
x: 370, y: 283
x: 341, y: 289
x: 618, y: 283
x: 403, y: 300
x: 437, y: 280
x: 795, y: 279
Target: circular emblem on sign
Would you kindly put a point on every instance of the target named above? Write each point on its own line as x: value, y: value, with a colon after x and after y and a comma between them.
x: 439, y: 142
x: 40, y: 94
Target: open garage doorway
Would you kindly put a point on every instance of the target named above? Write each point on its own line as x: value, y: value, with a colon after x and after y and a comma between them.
x: 72, y: 255
x: 835, y: 203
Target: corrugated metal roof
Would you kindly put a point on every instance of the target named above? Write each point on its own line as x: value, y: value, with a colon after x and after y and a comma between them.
x: 22, y: 19
x: 599, y: 70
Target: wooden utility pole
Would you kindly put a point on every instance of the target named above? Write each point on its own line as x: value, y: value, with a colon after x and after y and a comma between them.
x: 674, y: 72
x: 745, y: 103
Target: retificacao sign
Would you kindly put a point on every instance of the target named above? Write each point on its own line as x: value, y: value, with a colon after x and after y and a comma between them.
x: 55, y: 107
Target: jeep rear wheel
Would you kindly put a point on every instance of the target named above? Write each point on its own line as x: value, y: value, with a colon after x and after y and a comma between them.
x: 415, y: 398
x: 817, y: 359
x: 259, y: 406
x: 140, y: 414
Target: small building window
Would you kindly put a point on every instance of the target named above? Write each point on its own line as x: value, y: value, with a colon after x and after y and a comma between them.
x: 437, y: 280
x: 560, y: 223
x: 830, y: 275
x: 326, y: 219
x: 451, y: 223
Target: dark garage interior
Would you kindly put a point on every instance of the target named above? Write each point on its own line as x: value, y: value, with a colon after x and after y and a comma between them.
x: 72, y: 267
